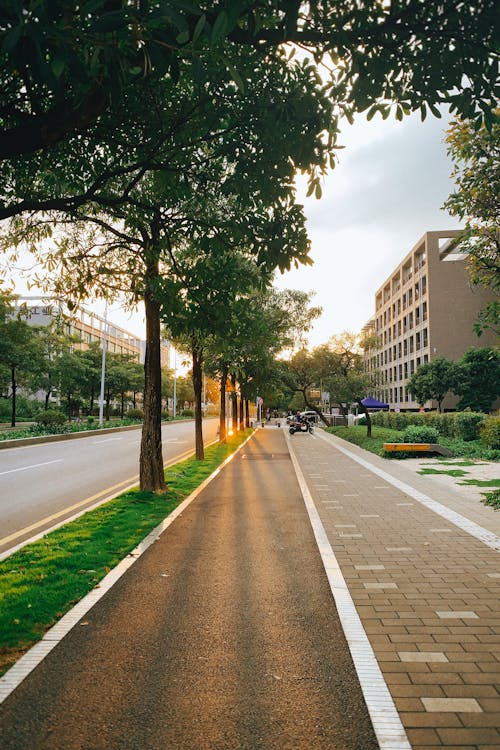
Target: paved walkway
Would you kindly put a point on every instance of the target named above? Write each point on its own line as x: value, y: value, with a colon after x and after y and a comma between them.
x: 426, y: 590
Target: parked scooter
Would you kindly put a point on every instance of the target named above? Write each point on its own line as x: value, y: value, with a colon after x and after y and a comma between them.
x: 300, y: 425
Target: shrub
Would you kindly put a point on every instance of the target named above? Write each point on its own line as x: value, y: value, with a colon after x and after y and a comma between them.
x: 187, y: 413
x: 135, y: 414
x: 467, y: 425
x: 165, y: 416
x: 490, y: 432
x: 51, y: 418
x: 420, y: 434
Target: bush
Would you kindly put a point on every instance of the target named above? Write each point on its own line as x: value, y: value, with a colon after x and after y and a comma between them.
x: 135, y: 414
x: 467, y: 425
x: 187, y: 413
x: 51, y: 418
x: 420, y: 434
x: 165, y: 416
x: 490, y: 432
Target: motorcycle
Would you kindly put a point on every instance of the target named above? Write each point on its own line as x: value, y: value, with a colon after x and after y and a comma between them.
x: 300, y: 426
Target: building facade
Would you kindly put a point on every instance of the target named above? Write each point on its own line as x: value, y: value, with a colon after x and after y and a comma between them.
x: 88, y: 327
x: 426, y: 308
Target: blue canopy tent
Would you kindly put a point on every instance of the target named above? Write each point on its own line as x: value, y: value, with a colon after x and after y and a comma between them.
x: 372, y: 403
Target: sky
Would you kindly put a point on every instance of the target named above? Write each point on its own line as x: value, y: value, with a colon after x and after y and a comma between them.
x: 385, y: 193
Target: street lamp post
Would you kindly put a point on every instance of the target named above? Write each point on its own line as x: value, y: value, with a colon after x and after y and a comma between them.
x: 175, y: 384
x: 103, y: 365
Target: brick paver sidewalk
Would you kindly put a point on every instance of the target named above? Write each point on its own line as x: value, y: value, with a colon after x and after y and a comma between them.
x: 427, y: 593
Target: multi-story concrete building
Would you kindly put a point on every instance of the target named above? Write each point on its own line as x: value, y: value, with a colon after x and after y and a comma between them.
x: 426, y: 308
x: 88, y: 327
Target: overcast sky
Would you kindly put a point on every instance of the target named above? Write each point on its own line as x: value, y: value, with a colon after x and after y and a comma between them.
x: 387, y: 190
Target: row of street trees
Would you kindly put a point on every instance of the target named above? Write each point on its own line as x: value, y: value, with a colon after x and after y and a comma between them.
x: 475, y: 378
x: 149, y: 149
x: 337, y: 367
x: 47, y: 360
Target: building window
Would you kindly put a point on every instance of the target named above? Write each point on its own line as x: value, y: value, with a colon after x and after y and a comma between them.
x: 426, y: 341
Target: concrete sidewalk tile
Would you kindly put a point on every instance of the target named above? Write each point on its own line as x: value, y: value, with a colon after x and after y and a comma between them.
x: 422, y: 656
x: 456, y: 705
x: 476, y: 736
x: 424, y: 719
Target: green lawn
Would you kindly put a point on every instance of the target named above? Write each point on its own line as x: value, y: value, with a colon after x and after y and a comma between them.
x: 45, y: 579
x: 357, y: 434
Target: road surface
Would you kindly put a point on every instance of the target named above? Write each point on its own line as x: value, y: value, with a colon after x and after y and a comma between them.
x: 40, y: 485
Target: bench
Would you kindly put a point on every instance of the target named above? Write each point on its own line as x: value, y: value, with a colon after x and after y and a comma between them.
x: 417, y: 448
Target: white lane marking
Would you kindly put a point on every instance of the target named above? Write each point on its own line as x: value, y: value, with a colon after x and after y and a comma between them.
x: 32, y: 466
x: 106, y: 440
x: 479, y: 532
x: 384, y: 716
x: 32, y: 658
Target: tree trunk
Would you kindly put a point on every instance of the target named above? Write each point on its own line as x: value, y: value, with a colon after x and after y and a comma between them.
x: 13, y: 386
x: 234, y: 405
x: 222, y: 418
x: 108, y: 401
x: 69, y: 405
x: 47, y: 396
x: 122, y: 408
x: 91, y: 400
x: 365, y: 411
x: 247, y: 413
x: 198, y: 394
x: 242, y: 421
x: 152, y: 476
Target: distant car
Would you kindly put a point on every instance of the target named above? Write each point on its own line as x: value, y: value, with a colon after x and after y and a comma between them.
x: 311, y: 416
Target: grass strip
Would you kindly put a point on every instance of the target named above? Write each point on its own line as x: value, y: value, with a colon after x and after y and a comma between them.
x: 492, y: 498
x: 449, y: 472
x: 43, y: 580
x: 482, y: 482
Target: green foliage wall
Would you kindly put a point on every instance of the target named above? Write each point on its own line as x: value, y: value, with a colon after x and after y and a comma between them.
x: 463, y: 425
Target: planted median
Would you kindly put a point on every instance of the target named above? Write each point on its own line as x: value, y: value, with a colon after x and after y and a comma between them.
x: 43, y: 580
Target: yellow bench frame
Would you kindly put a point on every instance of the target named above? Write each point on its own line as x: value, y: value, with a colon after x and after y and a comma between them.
x: 417, y: 447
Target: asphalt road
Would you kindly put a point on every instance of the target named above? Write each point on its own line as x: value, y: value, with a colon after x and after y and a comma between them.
x: 40, y: 485
x: 222, y: 636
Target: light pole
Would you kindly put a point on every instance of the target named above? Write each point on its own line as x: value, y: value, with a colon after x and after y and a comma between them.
x: 175, y: 383
x: 103, y: 365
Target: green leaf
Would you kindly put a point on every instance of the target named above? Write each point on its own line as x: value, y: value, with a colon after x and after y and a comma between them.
x: 318, y: 192
x: 183, y: 37
x: 58, y: 66
x: 235, y: 76
x: 200, y: 25
x: 220, y: 27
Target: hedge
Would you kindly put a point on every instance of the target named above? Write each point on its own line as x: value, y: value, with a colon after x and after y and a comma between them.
x: 461, y: 424
x: 490, y: 432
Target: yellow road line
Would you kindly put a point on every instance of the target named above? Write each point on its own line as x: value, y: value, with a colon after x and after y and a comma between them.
x: 103, y: 493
